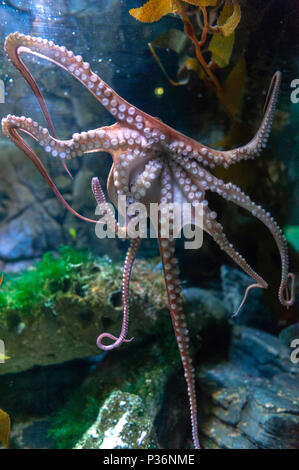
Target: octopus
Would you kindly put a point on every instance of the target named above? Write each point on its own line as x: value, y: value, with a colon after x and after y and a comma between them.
x: 152, y: 163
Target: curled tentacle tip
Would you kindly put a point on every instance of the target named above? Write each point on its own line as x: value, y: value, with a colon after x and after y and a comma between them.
x: 287, y: 297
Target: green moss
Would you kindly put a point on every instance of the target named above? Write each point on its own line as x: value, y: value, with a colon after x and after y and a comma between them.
x: 25, y: 292
x: 71, y: 421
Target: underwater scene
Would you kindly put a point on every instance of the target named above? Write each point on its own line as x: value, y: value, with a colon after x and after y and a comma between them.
x: 149, y: 224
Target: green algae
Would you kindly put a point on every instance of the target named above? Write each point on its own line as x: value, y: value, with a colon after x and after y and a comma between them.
x: 28, y: 291
x: 73, y: 419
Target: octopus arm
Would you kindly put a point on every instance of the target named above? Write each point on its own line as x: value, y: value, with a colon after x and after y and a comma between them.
x: 255, y: 146
x: 211, y: 157
x: 18, y: 43
x: 129, y: 261
x: 12, y: 126
x: 215, y: 229
x: 232, y: 192
x: 174, y: 293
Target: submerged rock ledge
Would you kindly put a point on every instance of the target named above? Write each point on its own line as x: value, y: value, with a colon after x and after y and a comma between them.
x: 54, y: 312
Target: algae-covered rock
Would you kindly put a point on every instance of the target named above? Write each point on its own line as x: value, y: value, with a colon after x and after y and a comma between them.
x: 121, y: 424
x: 144, y: 378
x: 54, y: 312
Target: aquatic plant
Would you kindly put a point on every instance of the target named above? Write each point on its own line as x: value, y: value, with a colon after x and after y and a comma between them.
x: 19, y: 292
x: 151, y: 163
x: 73, y: 419
x: 220, y: 47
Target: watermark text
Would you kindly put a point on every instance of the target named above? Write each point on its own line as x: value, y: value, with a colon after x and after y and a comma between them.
x: 295, y: 93
x: 169, y: 220
x: 295, y: 354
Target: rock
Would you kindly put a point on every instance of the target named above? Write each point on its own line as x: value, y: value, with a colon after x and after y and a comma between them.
x: 289, y: 334
x: 25, y: 235
x: 121, y: 424
x: 207, y: 317
x: 31, y: 434
x: 54, y: 208
x: 28, y: 226
x: 263, y: 354
x: 208, y: 302
x: 250, y: 400
x: 74, y: 311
